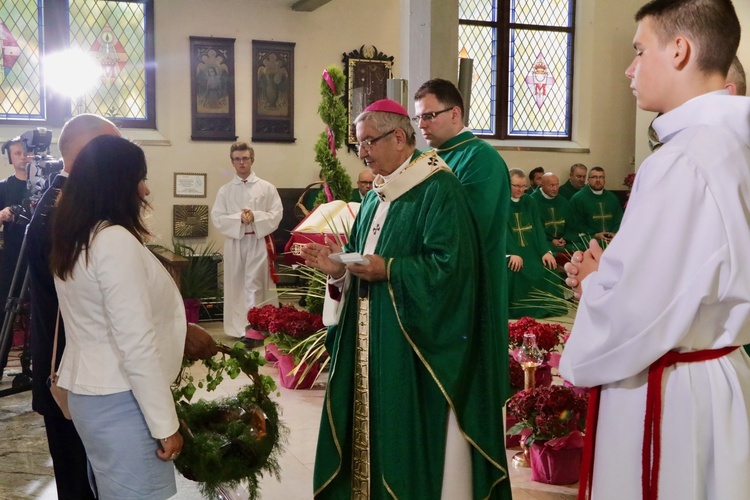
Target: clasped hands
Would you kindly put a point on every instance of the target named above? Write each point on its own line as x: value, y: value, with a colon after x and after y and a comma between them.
x: 247, y: 216
x: 581, y: 265
x: 316, y: 255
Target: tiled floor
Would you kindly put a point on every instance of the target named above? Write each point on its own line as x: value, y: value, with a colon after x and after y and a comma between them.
x: 26, y: 468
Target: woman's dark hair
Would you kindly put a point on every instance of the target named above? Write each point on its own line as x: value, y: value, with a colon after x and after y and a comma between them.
x: 102, y: 187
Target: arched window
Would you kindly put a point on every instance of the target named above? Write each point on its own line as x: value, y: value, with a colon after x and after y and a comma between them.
x: 116, y: 37
x: 523, y: 66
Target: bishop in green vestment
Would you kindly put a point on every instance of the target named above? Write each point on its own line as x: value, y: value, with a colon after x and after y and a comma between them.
x: 554, y: 212
x: 411, y: 368
x: 597, y: 213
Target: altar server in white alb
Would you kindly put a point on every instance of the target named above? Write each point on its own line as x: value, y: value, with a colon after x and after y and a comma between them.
x: 247, y: 211
x: 664, y: 309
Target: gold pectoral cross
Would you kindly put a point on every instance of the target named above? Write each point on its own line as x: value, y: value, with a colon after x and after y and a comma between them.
x: 554, y: 222
x: 520, y: 230
x: 602, y: 216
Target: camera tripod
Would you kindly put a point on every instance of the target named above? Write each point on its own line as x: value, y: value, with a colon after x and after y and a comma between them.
x: 15, y: 307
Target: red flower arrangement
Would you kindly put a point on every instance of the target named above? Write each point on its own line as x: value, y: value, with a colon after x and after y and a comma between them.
x: 258, y: 318
x: 546, y: 413
x: 548, y: 335
x: 294, y: 323
x: 285, y: 327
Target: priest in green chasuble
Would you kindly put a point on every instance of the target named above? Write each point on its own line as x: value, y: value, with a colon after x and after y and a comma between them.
x: 413, y: 405
x: 597, y: 212
x: 576, y: 181
x: 554, y: 212
x: 530, y: 260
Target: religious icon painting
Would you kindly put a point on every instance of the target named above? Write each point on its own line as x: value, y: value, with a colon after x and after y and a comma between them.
x: 273, y: 91
x: 367, y: 72
x: 212, y: 88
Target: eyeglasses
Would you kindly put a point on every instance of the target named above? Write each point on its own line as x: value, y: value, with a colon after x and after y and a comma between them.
x: 428, y: 117
x: 367, y: 144
x: 366, y: 183
x: 244, y: 159
x: 519, y: 186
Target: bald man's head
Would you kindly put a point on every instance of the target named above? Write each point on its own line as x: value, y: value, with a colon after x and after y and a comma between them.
x: 550, y: 184
x: 78, y: 131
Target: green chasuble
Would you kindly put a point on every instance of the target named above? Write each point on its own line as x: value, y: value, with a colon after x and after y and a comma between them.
x: 356, y: 197
x: 556, y: 220
x: 527, y: 240
x: 594, y: 213
x: 567, y: 190
x: 484, y: 176
x: 423, y: 350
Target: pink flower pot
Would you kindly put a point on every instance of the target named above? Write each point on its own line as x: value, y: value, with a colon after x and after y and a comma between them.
x: 286, y: 364
x: 555, y: 466
x: 272, y: 353
x: 251, y: 333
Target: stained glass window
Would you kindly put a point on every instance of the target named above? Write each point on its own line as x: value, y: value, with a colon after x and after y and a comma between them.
x: 21, y: 90
x: 523, y: 66
x: 116, y: 35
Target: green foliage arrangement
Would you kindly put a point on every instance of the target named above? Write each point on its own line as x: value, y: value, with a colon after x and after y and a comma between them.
x: 230, y: 439
x: 333, y: 113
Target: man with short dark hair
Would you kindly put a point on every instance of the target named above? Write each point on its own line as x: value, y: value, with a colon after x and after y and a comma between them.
x: 535, y: 179
x: 247, y: 211
x: 13, y: 191
x: 413, y: 406
x: 666, y: 306
x: 597, y: 213
x: 576, y: 180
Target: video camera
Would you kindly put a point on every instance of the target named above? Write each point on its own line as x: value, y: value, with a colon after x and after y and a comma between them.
x: 38, y: 171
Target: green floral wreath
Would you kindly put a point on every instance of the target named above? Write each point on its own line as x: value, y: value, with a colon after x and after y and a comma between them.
x: 231, y: 439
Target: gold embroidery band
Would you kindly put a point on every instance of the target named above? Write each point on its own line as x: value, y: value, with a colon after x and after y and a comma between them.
x: 361, y: 424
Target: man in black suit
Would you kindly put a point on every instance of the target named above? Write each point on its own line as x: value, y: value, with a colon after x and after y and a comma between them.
x: 68, y: 454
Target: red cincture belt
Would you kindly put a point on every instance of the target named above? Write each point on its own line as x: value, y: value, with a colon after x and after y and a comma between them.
x: 271, y: 251
x: 651, y: 452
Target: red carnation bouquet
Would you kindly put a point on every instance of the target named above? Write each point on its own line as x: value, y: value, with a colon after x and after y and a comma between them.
x: 258, y: 318
x: 285, y: 327
x: 548, y: 335
x: 547, y: 413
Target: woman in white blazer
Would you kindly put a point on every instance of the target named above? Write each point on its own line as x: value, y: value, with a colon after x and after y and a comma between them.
x: 124, y: 320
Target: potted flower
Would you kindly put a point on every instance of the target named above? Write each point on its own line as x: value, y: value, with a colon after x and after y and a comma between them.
x: 551, y: 420
x: 289, y: 329
x: 258, y: 319
x: 549, y: 337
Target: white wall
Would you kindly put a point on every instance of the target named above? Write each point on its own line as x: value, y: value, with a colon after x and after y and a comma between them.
x: 321, y: 38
